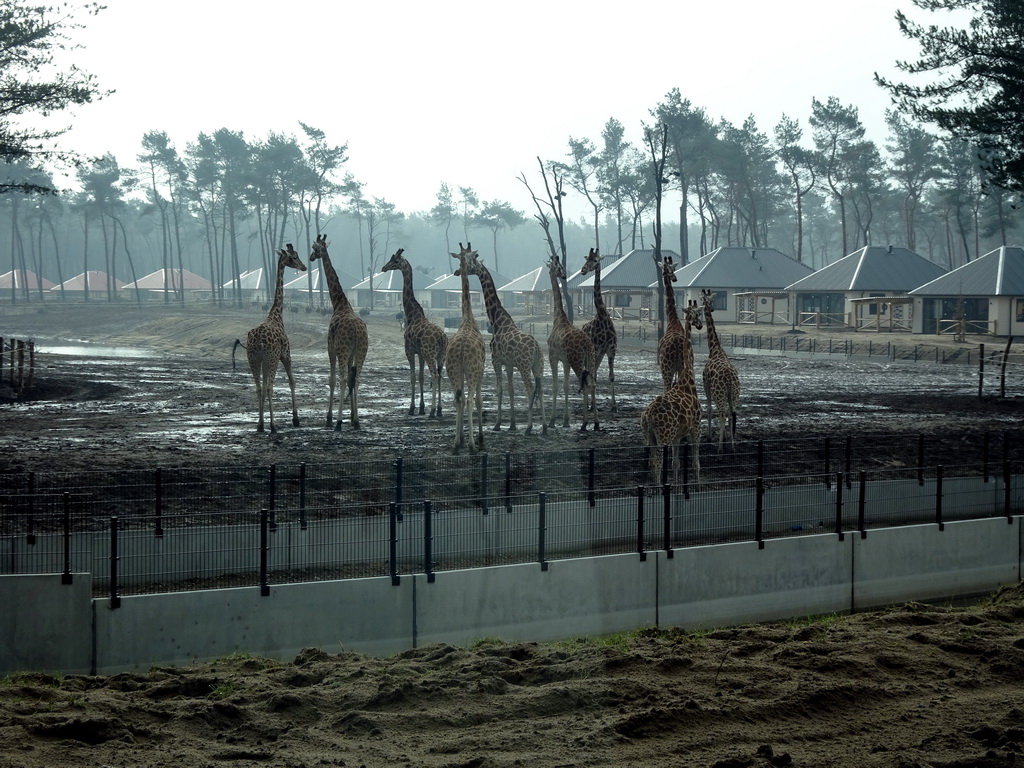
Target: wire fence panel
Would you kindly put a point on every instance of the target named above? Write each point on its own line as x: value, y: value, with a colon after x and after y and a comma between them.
x: 173, y: 530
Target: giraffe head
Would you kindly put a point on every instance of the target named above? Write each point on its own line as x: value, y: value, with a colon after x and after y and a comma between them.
x: 465, y: 255
x: 290, y: 257
x: 592, y: 262
x: 693, y: 315
x: 398, y: 261
x: 668, y: 270
x: 319, y: 248
x: 556, y: 269
x: 708, y: 299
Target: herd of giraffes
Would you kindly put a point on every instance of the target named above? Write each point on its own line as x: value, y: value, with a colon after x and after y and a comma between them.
x: 672, y: 416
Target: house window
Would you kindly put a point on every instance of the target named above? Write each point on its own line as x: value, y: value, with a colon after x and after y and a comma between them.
x: 623, y: 300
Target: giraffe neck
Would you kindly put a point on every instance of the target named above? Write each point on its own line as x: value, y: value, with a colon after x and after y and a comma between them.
x: 412, y: 308
x: 599, y: 308
x: 714, y: 343
x: 496, y: 313
x: 338, y: 298
x: 688, y: 347
x: 672, y: 317
x: 556, y: 300
x: 275, y: 313
x: 467, y: 308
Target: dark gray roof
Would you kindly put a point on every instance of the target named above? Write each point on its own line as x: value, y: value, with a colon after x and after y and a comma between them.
x: 635, y: 271
x: 742, y: 269
x: 997, y: 273
x: 872, y: 268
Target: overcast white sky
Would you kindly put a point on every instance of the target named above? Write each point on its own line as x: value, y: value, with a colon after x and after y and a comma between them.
x: 470, y: 93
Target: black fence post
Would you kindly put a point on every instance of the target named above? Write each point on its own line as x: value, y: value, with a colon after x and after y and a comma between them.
x: 590, y: 478
x: 861, y: 523
x: 158, y: 529
x: 428, y: 541
x: 393, y: 545
x: 984, y: 457
x: 398, y: 481
x: 264, y: 551
x: 273, y: 497
x: 938, y: 497
x: 839, y: 506
x: 666, y: 495
x: 542, y: 527
x: 759, y: 513
x: 664, y: 464
x: 115, y: 599
x: 303, y: 523
x: 65, y: 577
x: 483, y: 482
x: 641, y: 491
x: 686, y: 470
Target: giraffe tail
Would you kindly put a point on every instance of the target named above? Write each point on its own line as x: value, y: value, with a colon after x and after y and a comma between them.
x: 351, y: 380
x: 584, y: 376
x: 238, y: 343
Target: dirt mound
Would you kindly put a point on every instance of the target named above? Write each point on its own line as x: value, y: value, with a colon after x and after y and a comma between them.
x: 917, y: 685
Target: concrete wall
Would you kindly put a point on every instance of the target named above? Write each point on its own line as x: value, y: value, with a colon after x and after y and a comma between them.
x: 50, y: 626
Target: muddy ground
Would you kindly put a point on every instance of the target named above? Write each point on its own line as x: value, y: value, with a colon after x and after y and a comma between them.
x: 913, y: 686
x: 139, y: 388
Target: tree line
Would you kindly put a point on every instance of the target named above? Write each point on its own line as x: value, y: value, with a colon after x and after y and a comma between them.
x: 225, y: 202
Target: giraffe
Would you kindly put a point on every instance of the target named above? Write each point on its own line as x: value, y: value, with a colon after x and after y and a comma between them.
x: 676, y: 412
x: 511, y: 349
x: 721, y: 381
x: 347, y: 341
x: 464, y: 361
x: 600, y: 327
x: 572, y: 348
x: 267, y: 344
x: 423, y: 339
x: 675, y: 352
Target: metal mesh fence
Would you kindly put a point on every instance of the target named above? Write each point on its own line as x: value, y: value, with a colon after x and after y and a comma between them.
x: 184, y: 529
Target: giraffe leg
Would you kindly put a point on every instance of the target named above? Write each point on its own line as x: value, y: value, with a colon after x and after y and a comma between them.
x: 412, y: 381
x: 330, y: 399
x: 531, y: 394
x: 353, y: 385
x: 291, y: 384
x: 435, y: 396
x: 422, y: 405
x: 499, y: 391
x: 565, y: 392
x: 477, y: 440
x: 268, y: 385
x: 554, y: 391
x: 611, y: 379
x: 460, y: 404
x: 511, y: 401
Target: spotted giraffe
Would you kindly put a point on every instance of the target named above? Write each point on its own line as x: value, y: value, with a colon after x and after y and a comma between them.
x: 347, y: 340
x: 423, y: 339
x: 676, y: 413
x: 464, y: 362
x: 600, y: 327
x: 721, y: 381
x: 267, y: 344
x: 675, y: 352
x: 571, y: 348
x: 511, y: 349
